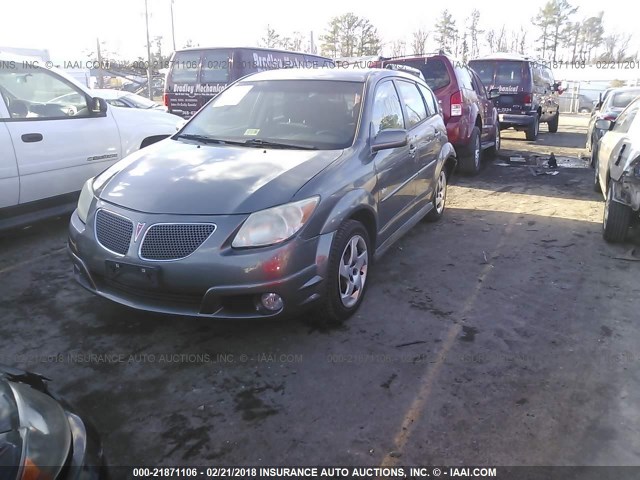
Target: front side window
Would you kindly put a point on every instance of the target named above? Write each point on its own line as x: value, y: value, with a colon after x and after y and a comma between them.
x: 387, y: 111
x: 625, y: 120
x: 416, y: 110
x: 303, y: 113
x: 39, y: 93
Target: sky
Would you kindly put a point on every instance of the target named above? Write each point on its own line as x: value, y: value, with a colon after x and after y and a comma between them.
x: 69, y: 28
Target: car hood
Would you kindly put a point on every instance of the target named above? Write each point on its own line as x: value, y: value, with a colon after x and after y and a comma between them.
x: 137, y: 116
x: 177, y: 177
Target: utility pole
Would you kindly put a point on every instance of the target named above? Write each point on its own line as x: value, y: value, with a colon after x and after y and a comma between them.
x: 99, y: 78
x: 146, y: 16
x: 173, y: 31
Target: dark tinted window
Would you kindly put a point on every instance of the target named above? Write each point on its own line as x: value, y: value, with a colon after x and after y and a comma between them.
x: 485, y: 70
x: 430, y: 100
x: 184, y: 68
x: 215, y: 66
x: 434, y: 70
x: 413, y: 103
x: 509, y: 73
x: 387, y: 112
x: 622, y: 99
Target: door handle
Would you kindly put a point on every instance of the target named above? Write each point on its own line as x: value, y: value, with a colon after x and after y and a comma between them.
x: 624, y: 146
x: 32, y: 137
x: 412, y: 150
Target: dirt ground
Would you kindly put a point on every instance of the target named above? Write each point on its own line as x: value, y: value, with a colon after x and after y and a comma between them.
x: 506, y: 334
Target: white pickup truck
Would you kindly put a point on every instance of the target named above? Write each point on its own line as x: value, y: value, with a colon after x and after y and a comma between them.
x: 54, y: 136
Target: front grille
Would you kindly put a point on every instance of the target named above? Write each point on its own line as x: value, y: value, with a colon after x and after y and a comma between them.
x: 113, y: 231
x: 172, y: 241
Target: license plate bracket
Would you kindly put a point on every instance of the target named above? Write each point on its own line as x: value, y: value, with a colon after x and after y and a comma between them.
x: 133, y: 275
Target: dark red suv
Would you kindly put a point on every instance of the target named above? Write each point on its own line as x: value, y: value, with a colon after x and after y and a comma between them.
x: 468, y: 109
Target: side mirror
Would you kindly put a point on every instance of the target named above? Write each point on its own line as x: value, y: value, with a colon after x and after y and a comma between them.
x: 390, y: 138
x: 604, y: 124
x: 493, y: 94
x: 98, y: 105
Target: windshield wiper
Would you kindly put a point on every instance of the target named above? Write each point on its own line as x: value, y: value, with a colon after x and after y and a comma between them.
x: 199, y: 138
x: 266, y: 143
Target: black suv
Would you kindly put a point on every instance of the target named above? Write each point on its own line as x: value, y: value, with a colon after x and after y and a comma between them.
x: 528, y: 92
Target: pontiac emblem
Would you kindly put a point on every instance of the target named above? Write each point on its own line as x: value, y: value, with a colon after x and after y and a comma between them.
x: 139, y: 229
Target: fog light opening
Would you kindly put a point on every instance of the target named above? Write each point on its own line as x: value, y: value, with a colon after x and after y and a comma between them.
x: 271, y: 302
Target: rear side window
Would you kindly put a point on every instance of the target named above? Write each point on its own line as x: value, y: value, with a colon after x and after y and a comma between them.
x: 413, y: 102
x: 430, y: 100
x: 184, y: 68
x: 622, y: 99
x: 464, y: 79
x: 215, y: 67
x: 387, y: 112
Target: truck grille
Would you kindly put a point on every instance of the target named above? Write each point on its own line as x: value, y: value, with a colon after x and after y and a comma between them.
x: 173, y: 241
x: 113, y: 231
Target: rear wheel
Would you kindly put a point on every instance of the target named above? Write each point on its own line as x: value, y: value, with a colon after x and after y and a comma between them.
x: 470, y: 160
x: 439, y: 198
x: 617, y: 218
x: 553, y: 124
x: 346, y: 280
x: 532, y: 131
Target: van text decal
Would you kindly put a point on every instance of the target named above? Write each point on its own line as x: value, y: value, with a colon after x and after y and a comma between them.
x: 508, y: 89
x: 198, y: 88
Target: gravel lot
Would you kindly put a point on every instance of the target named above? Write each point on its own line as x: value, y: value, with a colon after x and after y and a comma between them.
x: 504, y: 335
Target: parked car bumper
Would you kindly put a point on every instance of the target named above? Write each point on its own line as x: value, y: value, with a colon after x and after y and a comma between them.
x: 216, y: 281
x: 458, y: 132
x: 517, y: 120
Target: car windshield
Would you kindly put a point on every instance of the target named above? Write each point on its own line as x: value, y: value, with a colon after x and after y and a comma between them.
x: 620, y: 100
x: 140, y: 102
x: 319, y: 114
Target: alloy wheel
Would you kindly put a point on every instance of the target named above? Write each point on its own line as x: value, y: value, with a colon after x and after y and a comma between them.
x: 352, y: 273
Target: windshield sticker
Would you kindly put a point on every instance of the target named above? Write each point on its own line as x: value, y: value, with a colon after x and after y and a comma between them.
x: 252, y: 131
x: 233, y: 96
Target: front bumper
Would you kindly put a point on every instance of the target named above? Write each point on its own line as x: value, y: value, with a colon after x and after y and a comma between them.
x: 216, y: 281
x: 517, y: 120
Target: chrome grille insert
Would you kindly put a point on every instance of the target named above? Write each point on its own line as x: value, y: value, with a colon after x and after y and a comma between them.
x: 173, y: 241
x: 113, y: 231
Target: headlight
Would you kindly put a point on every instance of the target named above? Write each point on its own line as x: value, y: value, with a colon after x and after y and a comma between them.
x: 45, y: 432
x: 276, y: 224
x: 84, y: 202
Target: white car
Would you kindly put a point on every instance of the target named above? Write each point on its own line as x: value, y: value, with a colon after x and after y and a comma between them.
x: 54, y: 135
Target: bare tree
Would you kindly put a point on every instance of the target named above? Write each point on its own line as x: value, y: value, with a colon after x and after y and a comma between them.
x: 419, y: 41
x: 271, y: 39
x: 474, y: 32
x: 398, y: 48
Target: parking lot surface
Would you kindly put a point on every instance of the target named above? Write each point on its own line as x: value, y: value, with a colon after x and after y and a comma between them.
x: 506, y: 334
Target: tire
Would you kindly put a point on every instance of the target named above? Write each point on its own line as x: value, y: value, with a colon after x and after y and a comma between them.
x: 616, y: 220
x: 594, y: 152
x: 495, y: 149
x: 596, y: 180
x: 553, y: 124
x: 531, y: 133
x: 470, y: 159
x: 336, y: 304
x: 584, y: 110
x: 439, y: 198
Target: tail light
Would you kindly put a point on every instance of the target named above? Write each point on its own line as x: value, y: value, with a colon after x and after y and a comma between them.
x: 456, y: 104
x: 527, y: 99
x: 165, y: 99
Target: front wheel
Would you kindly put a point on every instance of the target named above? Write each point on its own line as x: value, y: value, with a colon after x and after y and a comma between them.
x: 470, y: 160
x: 553, y: 124
x: 346, y: 280
x: 617, y: 218
x: 495, y: 149
x: 439, y: 198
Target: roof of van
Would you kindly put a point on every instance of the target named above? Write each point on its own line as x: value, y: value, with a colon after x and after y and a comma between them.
x: 505, y: 56
x: 339, y: 74
x: 190, y: 49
